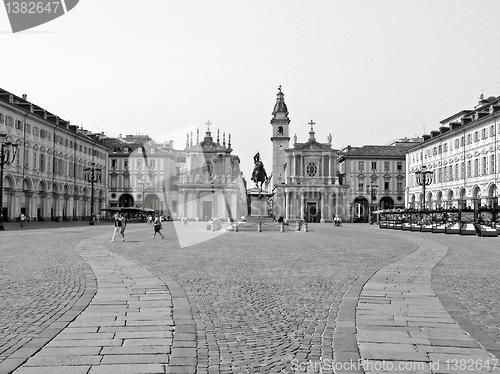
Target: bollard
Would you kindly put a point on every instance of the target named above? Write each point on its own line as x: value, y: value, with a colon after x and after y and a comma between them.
x: 305, y: 228
x: 235, y: 227
x: 282, y: 227
x: 259, y: 226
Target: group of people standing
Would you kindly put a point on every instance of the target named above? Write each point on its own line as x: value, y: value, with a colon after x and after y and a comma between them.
x: 120, y: 223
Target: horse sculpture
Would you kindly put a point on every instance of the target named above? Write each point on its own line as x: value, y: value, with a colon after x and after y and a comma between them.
x: 259, y: 173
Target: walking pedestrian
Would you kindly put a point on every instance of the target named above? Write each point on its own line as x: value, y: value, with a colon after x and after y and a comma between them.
x: 124, y: 225
x: 157, y: 227
x: 117, y: 228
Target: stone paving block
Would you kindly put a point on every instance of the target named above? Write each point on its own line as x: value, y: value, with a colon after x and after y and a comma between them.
x: 147, y: 341
x: 184, y: 352
x: 186, y: 370
x: 69, y: 351
x: 136, y: 350
x: 386, y: 355
x: 136, y: 359
x: 128, y: 369
x: 454, y: 343
x: 153, y: 334
x: 183, y: 361
x: 84, y: 343
x: 53, y: 370
x: 65, y: 335
x: 387, y: 347
x: 54, y: 360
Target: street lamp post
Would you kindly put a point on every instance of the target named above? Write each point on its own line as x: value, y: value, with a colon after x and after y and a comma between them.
x: 423, y: 178
x: 373, y: 192
x: 92, y: 175
x: 8, y: 151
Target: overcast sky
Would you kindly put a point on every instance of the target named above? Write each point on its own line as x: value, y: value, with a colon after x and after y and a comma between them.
x: 366, y: 71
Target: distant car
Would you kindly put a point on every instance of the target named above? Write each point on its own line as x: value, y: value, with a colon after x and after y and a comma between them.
x: 167, y: 218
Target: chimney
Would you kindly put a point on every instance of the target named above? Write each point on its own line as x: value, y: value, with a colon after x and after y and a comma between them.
x: 25, y: 97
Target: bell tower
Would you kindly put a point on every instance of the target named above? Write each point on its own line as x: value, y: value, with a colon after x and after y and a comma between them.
x: 280, y: 139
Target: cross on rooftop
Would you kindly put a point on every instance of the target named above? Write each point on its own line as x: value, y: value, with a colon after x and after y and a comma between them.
x: 279, y: 88
x: 312, y: 124
x: 208, y: 125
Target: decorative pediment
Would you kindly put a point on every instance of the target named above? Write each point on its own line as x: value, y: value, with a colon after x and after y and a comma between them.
x: 209, y: 146
x: 312, y: 146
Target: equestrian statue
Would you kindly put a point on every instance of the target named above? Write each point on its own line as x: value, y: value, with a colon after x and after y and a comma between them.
x: 259, y: 173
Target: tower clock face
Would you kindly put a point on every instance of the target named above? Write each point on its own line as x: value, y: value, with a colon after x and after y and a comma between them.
x: 280, y: 146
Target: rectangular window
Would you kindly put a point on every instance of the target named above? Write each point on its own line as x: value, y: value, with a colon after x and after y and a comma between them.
x: 399, y: 166
x: 42, y: 162
x: 386, y: 186
x: 440, y: 175
x: 456, y: 172
x: 26, y: 158
x: 484, y: 135
x: 139, y: 164
x: 361, y: 186
x: 445, y: 147
x: 361, y: 166
x: 492, y: 163
x: 152, y: 164
x: 374, y: 166
x: 445, y: 174
x: 35, y: 163
x: 113, y: 163
x: 492, y: 130
x: 386, y: 166
x: 439, y: 149
x: 451, y: 173
x: 113, y: 182
x: 125, y: 164
x: 126, y: 182
x: 2, y: 118
x: 181, y: 159
x: 476, y: 167
x: 485, y: 166
x: 399, y: 186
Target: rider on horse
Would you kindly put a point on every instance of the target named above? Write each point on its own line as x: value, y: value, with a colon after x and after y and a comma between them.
x: 258, y: 174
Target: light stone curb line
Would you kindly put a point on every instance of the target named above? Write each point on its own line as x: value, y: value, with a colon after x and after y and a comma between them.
x: 60, y: 320
x: 400, y: 319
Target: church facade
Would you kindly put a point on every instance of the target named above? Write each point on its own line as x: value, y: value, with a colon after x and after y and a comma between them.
x: 304, y: 175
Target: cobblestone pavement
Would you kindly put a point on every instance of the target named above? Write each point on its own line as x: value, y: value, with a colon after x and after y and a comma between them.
x: 265, y: 302
x: 41, y: 280
x: 249, y: 302
x: 470, y: 273
x: 127, y: 327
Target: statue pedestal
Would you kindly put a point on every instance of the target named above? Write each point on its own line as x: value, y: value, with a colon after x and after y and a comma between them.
x: 258, y: 203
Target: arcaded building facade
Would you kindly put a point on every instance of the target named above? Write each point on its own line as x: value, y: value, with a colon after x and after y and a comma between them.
x: 463, y: 158
x: 46, y: 180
